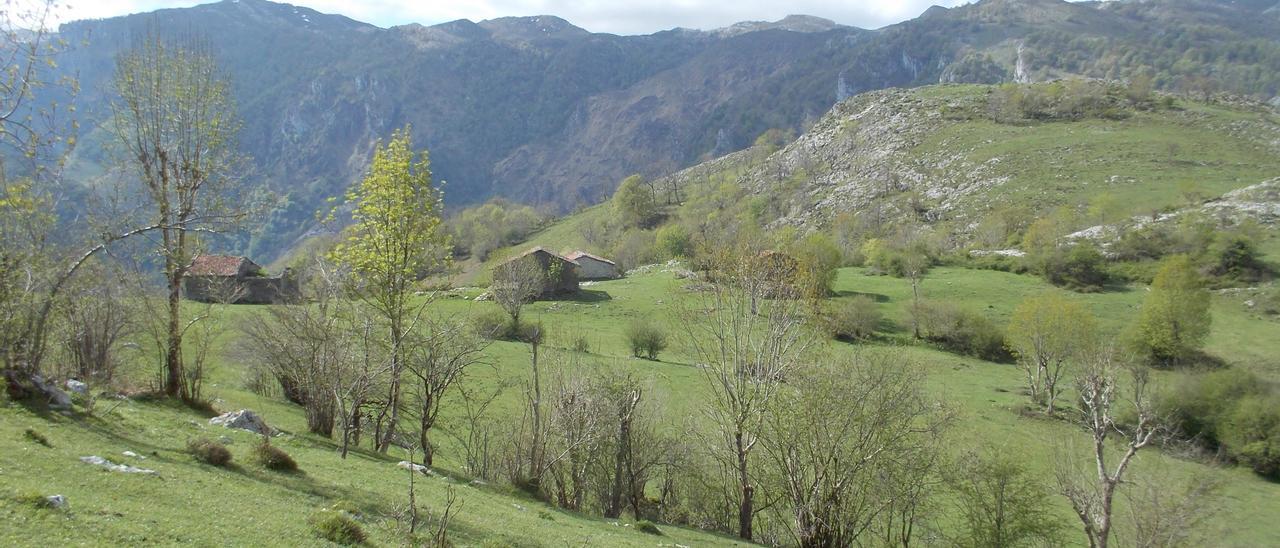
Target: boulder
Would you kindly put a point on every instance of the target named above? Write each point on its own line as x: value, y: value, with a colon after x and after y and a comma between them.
x: 78, y: 387
x: 414, y: 466
x: 57, y: 398
x: 57, y: 501
x: 243, y: 419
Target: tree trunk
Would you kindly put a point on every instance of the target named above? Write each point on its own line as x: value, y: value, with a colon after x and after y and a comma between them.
x: 173, y: 353
x: 425, y: 426
x: 745, y: 509
x: 392, y: 410
x: 535, y: 452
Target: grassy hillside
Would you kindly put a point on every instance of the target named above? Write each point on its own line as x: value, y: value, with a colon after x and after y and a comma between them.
x: 109, y: 507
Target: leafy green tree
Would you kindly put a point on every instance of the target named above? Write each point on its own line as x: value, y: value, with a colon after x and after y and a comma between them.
x: 818, y: 259
x: 674, y: 240
x: 395, y: 238
x: 1175, y: 316
x: 176, y: 124
x: 1047, y: 331
x: 634, y: 202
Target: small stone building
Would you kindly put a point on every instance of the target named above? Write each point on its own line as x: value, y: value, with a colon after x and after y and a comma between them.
x: 560, y: 274
x: 592, y: 267
x: 237, y: 280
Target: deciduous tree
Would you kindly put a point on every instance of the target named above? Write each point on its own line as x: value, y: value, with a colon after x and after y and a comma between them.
x: 1047, y: 331
x: 176, y: 124
x: 396, y: 238
x: 1175, y: 318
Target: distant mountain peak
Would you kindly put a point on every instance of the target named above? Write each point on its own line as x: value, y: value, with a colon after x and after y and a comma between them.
x: 792, y: 23
x: 532, y: 27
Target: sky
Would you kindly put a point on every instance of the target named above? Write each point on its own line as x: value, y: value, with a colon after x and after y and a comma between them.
x: 613, y: 16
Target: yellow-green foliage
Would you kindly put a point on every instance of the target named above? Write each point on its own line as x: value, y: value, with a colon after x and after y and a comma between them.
x: 634, y: 202
x: 1175, y: 315
x: 396, y: 236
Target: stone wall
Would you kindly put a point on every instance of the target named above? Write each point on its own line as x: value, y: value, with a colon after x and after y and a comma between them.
x: 248, y: 290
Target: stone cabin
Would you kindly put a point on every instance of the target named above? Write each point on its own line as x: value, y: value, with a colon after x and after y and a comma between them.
x: 237, y: 280
x: 565, y: 280
x: 592, y: 267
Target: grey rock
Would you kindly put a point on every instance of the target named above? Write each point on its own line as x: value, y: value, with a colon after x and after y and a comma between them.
x: 123, y: 468
x: 57, y: 398
x: 77, y: 387
x: 243, y: 419
x: 57, y: 501
x: 415, y: 467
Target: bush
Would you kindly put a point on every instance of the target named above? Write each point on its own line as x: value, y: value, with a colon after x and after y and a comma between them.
x: 1079, y: 268
x: 274, y: 458
x: 337, y: 527
x: 1199, y: 403
x: 492, y: 325
x: 1229, y: 411
x: 1252, y: 434
x: 1235, y: 257
x: 34, y: 499
x: 646, y: 339
x: 580, y: 344
x: 36, y: 436
x: 854, y: 320
x: 648, y: 527
x: 962, y: 331
x: 209, y: 452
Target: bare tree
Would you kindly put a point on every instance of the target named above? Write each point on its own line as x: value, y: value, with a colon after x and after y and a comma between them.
x: 1100, y: 396
x: 515, y: 283
x: 478, y: 437
x: 746, y: 349
x: 1169, y: 514
x: 438, y: 356
x: 97, y: 317
x: 308, y: 348
x: 577, y: 429
x: 176, y: 125
x: 853, y: 470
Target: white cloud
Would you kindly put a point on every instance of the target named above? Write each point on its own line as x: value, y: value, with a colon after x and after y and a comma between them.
x: 620, y: 17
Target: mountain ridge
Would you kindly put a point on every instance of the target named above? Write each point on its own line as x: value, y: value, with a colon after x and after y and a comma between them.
x: 537, y: 110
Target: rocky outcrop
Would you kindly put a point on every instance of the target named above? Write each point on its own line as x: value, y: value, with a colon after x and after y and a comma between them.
x: 243, y: 419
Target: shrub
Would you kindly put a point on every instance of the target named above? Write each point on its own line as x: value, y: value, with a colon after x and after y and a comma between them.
x: 274, y: 458
x: 34, y: 499
x: 646, y: 339
x: 580, y: 344
x: 337, y: 527
x: 1079, y: 268
x: 645, y: 526
x: 37, y: 437
x: 854, y: 320
x: 1198, y: 404
x: 209, y: 452
x: 1252, y: 434
x: 962, y: 331
x: 492, y: 325
x: 1235, y: 256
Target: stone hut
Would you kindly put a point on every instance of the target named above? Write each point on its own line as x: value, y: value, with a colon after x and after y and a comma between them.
x: 237, y: 280
x: 593, y: 267
x: 560, y: 274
